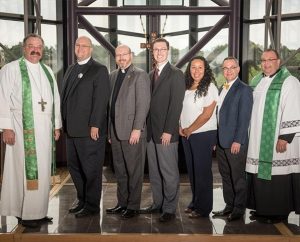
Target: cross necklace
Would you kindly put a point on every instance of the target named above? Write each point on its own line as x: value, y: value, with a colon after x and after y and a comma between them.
x: 38, y: 87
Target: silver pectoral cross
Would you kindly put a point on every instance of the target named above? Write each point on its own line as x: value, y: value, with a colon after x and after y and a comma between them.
x: 42, y: 103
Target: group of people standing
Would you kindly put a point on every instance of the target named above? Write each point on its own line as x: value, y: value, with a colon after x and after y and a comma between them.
x: 148, y: 114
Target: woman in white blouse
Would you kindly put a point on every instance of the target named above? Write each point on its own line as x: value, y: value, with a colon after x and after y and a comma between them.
x: 198, y: 128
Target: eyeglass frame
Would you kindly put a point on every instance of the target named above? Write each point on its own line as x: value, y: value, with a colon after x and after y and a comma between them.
x: 122, y: 55
x: 229, y: 68
x: 163, y: 50
x: 268, y: 60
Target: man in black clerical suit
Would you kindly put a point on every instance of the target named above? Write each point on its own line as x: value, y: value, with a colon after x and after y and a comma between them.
x: 85, y: 96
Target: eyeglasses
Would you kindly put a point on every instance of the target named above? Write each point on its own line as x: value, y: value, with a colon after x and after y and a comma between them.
x: 229, y: 68
x: 122, y: 55
x: 159, y: 50
x: 82, y: 46
x: 268, y: 60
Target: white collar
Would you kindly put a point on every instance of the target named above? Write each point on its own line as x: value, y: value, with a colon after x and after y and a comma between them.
x: 84, y: 61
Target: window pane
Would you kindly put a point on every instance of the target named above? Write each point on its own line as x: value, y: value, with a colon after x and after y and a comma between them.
x: 48, y: 9
x: 256, y: 40
x: 215, y: 51
x: 98, y: 20
x: 257, y: 9
x: 135, y: 24
x: 207, y: 21
x: 168, y: 25
x: 102, y: 3
x: 171, y: 2
x: 290, y: 34
x: 290, y: 42
x: 206, y: 3
x: 49, y: 34
x: 291, y: 6
x: 134, y: 2
x: 12, y: 40
x: 12, y: 6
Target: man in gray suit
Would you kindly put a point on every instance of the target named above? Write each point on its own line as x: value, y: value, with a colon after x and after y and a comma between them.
x: 168, y: 88
x: 129, y: 106
x: 234, y: 113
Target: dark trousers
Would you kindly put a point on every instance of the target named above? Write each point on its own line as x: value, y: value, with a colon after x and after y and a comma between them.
x: 198, y: 155
x: 85, y: 159
x: 232, y: 170
x: 129, y: 162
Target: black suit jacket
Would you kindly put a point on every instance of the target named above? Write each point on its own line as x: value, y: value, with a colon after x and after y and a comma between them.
x: 84, y: 104
x: 166, y: 104
x: 235, y: 114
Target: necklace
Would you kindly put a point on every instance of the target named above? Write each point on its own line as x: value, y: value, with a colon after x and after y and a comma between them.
x: 38, y: 85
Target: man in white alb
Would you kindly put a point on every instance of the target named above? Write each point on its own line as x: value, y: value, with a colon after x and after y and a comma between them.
x: 30, y: 121
x: 273, y: 160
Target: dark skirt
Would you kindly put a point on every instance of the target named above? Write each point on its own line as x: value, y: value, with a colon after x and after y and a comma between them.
x: 277, y: 197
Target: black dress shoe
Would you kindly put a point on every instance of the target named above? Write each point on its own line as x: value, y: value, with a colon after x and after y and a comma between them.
x: 268, y: 219
x: 76, y: 208
x: 30, y: 223
x: 85, y: 213
x: 129, y: 213
x: 166, y: 217
x: 149, y: 210
x: 46, y: 219
x: 234, y: 216
x: 116, y: 210
x: 223, y: 212
x: 19, y: 220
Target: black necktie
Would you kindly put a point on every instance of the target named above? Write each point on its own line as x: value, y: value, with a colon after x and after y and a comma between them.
x: 155, y: 77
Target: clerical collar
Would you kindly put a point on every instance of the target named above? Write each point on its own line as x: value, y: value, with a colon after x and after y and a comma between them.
x: 84, y: 61
x: 124, y: 71
x: 264, y: 75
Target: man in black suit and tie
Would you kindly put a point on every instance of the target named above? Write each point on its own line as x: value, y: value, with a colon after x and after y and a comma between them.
x: 85, y: 96
x: 129, y: 106
x: 168, y: 88
x: 234, y: 113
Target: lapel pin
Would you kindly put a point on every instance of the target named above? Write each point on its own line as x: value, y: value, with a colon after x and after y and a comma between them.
x: 80, y: 75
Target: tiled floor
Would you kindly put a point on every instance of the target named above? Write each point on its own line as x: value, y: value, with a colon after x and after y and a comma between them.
x: 64, y: 222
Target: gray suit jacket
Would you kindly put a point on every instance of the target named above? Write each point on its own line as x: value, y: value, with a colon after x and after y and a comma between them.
x: 235, y: 114
x: 132, y: 104
x: 166, y: 104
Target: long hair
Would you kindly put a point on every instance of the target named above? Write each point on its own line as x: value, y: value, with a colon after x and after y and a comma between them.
x: 208, y: 77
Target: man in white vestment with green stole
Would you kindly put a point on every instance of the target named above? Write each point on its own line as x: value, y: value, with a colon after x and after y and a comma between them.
x: 273, y: 160
x: 30, y: 121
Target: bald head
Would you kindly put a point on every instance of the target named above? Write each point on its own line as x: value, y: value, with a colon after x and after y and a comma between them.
x: 83, y: 48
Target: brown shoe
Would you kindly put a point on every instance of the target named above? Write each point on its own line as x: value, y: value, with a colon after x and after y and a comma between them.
x: 188, y: 210
x: 194, y: 214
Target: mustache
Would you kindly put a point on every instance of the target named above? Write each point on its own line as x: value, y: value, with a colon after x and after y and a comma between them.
x: 35, y: 53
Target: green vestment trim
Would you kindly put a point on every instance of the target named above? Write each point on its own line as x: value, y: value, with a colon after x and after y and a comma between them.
x: 267, y: 140
x: 31, y: 167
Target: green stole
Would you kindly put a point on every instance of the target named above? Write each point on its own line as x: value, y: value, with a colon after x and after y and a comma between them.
x: 269, y: 122
x: 31, y: 167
